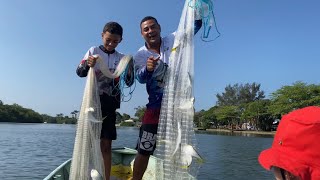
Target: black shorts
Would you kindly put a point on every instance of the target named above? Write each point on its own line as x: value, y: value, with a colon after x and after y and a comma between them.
x: 109, y: 130
x: 147, y: 139
x: 108, y: 109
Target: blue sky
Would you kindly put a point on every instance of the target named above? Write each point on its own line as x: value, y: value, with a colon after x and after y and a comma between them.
x: 272, y: 42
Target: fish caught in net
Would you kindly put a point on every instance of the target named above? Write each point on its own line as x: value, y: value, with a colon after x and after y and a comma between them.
x: 176, y: 142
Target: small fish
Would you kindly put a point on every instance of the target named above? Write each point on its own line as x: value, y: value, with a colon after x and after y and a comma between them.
x: 187, y: 104
x: 91, y: 117
x: 178, y: 142
x: 187, y: 152
x: 95, y: 175
x: 90, y: 109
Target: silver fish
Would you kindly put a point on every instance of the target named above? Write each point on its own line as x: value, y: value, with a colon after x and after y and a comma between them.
x: 95, y: 175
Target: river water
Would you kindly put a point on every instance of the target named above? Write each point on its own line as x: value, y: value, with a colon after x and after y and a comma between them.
x: 32, y: 151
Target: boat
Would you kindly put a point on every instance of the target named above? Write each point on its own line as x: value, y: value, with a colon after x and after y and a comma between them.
x: 122, y: 165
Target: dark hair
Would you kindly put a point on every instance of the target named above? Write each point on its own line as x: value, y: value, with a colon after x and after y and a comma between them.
x: 148, y: 18
x: 113, y: 28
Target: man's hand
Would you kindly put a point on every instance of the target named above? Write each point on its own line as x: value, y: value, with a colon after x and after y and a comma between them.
x: 92, y: 60
x: 152, y: 63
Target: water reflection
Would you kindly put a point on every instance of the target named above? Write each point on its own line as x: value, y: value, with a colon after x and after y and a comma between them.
x: 235, y: 133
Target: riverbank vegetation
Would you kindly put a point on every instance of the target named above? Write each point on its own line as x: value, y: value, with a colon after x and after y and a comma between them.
x: 239, y: 105
x: 17, y: 113
x: 246, y: 104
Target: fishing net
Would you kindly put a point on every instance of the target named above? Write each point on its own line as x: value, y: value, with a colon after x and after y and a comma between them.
x: 126, y: 86
x: 204, y: 11
x: 176, y: 139
x: 87, y: 155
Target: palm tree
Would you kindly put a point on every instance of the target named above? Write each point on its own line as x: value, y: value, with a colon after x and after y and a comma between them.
x: 75, y: 113
x: 59, y: 117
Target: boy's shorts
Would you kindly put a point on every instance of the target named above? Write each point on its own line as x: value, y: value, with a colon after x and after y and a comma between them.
x: 108, y: 110
x: 109, y: 130
x: 148, y: 132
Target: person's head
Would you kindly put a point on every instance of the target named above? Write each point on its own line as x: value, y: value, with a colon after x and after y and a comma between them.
x: 111, y: 35
x: 151, y: 31
x: 295, y: 151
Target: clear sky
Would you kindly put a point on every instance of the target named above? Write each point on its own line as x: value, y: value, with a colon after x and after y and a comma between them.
x: 272, y: 42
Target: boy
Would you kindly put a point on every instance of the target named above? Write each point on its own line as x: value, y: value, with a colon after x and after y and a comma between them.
x: 108, y: 88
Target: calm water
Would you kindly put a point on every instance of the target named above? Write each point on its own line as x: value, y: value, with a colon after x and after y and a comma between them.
x: 32, y: 151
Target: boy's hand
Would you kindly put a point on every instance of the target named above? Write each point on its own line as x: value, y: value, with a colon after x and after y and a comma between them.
x: 152, y: 63
x: 92, y: 60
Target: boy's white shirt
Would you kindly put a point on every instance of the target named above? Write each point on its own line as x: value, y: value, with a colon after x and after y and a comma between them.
x: 112, y: 60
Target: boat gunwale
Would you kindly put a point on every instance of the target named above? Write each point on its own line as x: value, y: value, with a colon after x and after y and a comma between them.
x: 57, y: 169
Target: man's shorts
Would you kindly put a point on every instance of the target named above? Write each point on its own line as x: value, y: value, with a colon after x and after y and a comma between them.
x: 109, y: 130
x: 148, y: 132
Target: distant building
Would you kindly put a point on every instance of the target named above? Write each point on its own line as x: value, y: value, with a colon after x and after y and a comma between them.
x: 247, y: 126
x: 129, y: 121
x: 275, y: 124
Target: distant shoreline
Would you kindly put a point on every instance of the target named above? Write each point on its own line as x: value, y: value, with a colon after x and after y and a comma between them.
x: 238, y: 131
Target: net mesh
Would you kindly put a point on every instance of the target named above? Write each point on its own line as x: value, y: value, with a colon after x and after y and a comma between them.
x: 87, y: 155
x: 86, y: 152
x: 175, y: 130
x: 204, y: 11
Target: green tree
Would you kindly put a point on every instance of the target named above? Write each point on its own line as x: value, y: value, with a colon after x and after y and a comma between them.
x: 48, y: 119
x: 206, y: 119
x: 60, y: 118
x: 296, y: 96
x: 68, y: 120
x: 239, y: 94
x: 19, y: 114
x: 118, y: 117
x: 198, y: 118
x: 125, y: 116
x: 4, y: 114
x: 139, y: 112
x: 74, y: 114
x: 257, y: 114
x: 227, y: 115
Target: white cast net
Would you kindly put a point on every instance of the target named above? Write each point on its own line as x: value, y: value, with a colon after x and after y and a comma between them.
x: 176, y: 139
x: 87, y: 155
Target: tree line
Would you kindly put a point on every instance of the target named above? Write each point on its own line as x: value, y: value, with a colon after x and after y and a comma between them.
x: 17, y: 113
x: 238, y: 104
x: 246, y: 103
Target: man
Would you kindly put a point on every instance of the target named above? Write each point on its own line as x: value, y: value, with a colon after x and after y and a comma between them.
x: 151, y: 61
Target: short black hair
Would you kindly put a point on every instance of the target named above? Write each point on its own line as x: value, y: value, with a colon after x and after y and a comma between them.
x: 113, y: 28
x: 148, y: 18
